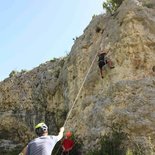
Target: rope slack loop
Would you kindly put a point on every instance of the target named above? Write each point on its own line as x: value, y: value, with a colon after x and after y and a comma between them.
x: 79, y: 90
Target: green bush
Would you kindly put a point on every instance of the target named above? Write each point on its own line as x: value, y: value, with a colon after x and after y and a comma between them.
x: 13, y: 73
x: 117, y: 142
x: 23, y: 71
x: 112, y: 5
x: 112, y: 143
x: 54, y: 60
x: 149, y: 5
x: 138, y: 149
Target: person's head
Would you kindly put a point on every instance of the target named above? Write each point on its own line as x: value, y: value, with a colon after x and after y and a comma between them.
x: 68, y: 134
x: 41, y: 129
x: 102, y: 53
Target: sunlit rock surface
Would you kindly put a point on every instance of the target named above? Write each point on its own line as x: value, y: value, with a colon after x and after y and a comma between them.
x: 125, y: 97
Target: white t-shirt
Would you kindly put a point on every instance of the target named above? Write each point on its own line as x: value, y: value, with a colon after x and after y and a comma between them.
x: 42, y: 145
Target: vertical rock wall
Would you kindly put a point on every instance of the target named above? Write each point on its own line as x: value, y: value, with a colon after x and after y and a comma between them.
x: 125, y: 97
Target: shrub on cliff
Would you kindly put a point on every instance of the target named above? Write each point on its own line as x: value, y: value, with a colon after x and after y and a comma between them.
x: 13, y: 73
x: 112, y: 5
x: 112, y: 143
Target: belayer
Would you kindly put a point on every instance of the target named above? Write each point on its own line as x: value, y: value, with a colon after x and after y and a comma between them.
x: 44, y: 143
x: 102, y: 61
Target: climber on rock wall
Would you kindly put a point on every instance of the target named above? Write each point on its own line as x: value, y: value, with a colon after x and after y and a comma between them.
x: 103, y: 60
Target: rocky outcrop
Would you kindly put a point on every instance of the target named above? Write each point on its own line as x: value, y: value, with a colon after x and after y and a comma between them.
x: 125, y: 98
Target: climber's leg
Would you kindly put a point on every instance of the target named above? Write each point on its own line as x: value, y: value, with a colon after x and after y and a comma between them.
x: 101, y: 64
x: 102, y: 73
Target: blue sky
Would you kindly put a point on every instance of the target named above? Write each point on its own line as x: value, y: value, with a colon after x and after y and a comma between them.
x: 35, y: 31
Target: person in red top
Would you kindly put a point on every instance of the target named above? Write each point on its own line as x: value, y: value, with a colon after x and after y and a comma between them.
x: 67, y: 143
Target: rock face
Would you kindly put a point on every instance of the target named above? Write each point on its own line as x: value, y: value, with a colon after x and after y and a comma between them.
x: 125, y: 98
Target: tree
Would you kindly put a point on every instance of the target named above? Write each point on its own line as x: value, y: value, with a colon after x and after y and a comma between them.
x: 13, y: 73
x: 112, y: 5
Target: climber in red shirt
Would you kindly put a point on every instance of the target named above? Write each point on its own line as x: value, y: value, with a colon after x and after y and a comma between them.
x: 67, y: 143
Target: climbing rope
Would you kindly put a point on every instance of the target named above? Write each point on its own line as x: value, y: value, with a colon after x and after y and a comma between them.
x: 79, y: 90
x: 77, y: 96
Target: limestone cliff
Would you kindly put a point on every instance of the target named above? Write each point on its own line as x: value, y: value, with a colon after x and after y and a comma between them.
x: 124, y: 98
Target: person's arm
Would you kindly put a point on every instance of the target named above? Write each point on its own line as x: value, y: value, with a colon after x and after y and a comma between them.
x: 60, y: 135
x: 24, y: 151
